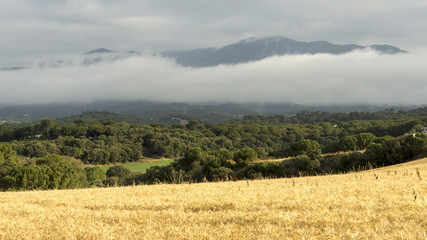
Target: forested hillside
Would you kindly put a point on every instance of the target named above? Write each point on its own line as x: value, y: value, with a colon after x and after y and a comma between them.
x: 324, y: 116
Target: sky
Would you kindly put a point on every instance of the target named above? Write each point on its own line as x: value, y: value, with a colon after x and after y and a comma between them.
x: 45, y: 30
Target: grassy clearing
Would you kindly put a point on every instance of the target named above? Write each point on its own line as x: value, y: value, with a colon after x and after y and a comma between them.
x: 141, y: 167
x: 325, y: 155
x: 387, y: 203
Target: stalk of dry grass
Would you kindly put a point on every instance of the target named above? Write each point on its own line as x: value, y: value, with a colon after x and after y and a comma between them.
x: 322, y: 207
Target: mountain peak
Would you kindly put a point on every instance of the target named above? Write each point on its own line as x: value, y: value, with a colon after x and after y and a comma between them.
x: 132, y: 53
x: 387, y: 49
x: 98, y: 51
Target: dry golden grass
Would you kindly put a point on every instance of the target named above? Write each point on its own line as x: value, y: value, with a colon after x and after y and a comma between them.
x: 388, y: 203
x: 270, y: 159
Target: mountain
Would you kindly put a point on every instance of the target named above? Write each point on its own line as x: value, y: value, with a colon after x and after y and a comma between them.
x: 252, y: 49
x: 247, y: 50
x: 89, y: 58
x: 98, y: 51
x: 12, y: 68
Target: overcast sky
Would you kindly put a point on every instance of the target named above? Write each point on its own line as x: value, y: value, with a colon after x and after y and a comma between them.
x: 34, y: 28
x: 49, y: 29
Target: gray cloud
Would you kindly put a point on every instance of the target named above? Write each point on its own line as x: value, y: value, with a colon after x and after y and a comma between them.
x: 357, y: 77
x: 34, y: 28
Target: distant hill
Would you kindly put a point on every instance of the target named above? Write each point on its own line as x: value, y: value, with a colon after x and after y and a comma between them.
x: 12, y: 68
x: 313, y: 116
x: 103, y: 116
x: 169, y: 113
x: 98, y: 51
x: 252, y: 49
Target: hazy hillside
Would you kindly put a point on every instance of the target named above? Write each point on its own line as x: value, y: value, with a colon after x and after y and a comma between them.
x: 169, y: 113
x: 103, y: 116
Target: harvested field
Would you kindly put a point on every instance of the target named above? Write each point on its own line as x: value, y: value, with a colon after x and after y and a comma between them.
x: 386, y: 203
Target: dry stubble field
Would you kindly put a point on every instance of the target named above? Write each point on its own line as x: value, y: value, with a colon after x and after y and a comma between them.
x: 387, y: 203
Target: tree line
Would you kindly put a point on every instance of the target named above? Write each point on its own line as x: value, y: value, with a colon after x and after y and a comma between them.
x: 197, y: 165
x: 307, y: 117
x: 307, y: 159
x: 104, y: 142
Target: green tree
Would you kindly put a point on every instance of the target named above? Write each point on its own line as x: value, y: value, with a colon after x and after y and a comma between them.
x: 67, y: 173
x: 193, y: 155
x: 349, y: 143
x: 6, y: 152
x: 245, y: 156
x: 46, y: 127
x: 8, y: 159
x: 95, y: 175
x: 307, y: 147
x: 364, y: 139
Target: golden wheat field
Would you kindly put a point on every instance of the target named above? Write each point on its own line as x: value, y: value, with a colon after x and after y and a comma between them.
x: 387, y: 203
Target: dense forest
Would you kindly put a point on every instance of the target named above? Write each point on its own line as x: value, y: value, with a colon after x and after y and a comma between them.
x: 206, y: 152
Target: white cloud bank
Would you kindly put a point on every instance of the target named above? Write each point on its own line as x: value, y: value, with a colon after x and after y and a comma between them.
x: 357, y: 77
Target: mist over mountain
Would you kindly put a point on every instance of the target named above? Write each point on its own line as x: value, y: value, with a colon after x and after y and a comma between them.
x: 88, y: 58
x: 271, y: 70
x: 253, y: 49
x: 247, y: 50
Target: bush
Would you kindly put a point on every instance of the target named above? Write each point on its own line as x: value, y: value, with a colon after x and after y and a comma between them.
x: 113, y: 181
x: 157, y: 174
x: 302, y: 163
x: 348, y: 162
x: 219, y: 173
x: 264, y: 169
x: 118, y: 171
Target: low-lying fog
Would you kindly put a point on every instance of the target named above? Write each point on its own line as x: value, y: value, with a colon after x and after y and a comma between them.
x: 357, y: 77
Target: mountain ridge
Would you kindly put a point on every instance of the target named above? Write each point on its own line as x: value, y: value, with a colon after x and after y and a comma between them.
x: 252, y: 49
x: 246, y: 50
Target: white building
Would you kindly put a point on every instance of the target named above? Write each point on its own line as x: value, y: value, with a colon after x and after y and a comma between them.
x: 424, y: 130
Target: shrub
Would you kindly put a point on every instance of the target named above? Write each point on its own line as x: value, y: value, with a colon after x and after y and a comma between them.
x: 219, y: 173
x: 118, y: 171
x: 264, y: 169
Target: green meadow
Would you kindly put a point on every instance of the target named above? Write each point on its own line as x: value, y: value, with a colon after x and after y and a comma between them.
x: 141, y: 167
